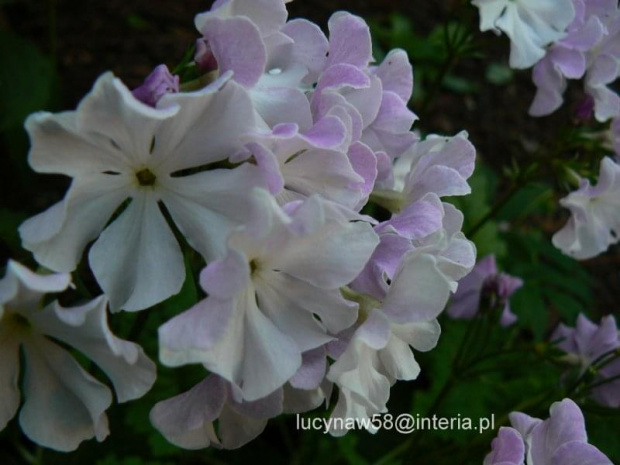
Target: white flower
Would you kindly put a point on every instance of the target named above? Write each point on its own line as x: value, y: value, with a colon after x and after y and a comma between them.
x: 530, y: 24
x: 379, y: 353
x: 116, y: 148
x: 274, y: 296
x: 64, y: 405
x: 594, y: 224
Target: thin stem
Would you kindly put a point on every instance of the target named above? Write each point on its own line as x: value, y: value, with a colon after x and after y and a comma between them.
x: 495, y: 210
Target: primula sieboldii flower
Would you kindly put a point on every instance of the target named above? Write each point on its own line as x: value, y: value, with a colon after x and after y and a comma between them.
x: 594, y: 224
x: 590, y: 49
x: 589, y: 343
x: 187, y: 420
x: 530, y: 24
x: 400, y: 316
x: 284, y: 269
x: 64, y: 405
x: 559, y: 440
x: 157, y: 84
x: 117, y: 148
x: 485, y: 284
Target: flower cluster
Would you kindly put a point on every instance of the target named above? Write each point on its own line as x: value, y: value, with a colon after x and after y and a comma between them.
x: 269, y: 165
x: 559, y: 440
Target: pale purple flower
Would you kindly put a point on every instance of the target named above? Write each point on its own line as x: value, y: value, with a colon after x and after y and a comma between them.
x: 591, y: 342
x: 531, y: 25
x: 284, y: 269
x: 64, y: 405
x: 559, y: 440
x: 429, y: 226
x: 157, y: 84
x: 117, y: 148
x: 485, y: 284
x: 594, y: 224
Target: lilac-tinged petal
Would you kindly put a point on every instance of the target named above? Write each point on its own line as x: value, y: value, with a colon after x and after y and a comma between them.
x: 523, y: 423
x: 64, y: 405
x: 508, y: 448
x: 312, y: 371
x: 156, y: 85
x: 364, y: 162
x: 186, y: 420
x: 328, y: 132
x: 417, y: 220
x: 187, y: 337
x: 396, y: 74
x: 133, y: 276
x: 349, y: 40
x: 579, y: 453
x: 225, y: 278
x: 565, y: 424
x: 237, y: 46
x: 268, y: 166
x: 571, y: 63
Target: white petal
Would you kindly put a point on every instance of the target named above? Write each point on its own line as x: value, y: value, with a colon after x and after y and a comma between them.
x: 9, y: 375
x: 86, y: 328
x: 206, y: 206
x: 137, y: 260
x: 58, y: 236
x: 64, y: 405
